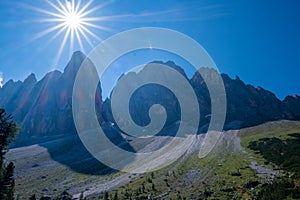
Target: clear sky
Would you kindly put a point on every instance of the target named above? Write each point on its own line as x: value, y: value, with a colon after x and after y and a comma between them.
x: 257, y: 40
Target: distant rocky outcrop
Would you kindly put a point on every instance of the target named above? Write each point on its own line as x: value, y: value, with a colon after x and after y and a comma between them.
x: 43, y: 109
x: 292, y: 103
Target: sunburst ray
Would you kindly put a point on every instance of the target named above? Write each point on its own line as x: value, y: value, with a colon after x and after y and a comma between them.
x: 73, y: 19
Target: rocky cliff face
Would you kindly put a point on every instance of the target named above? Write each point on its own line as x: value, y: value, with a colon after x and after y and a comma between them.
x: 250, y: 105
x: 43, y: 109
x: 246, y: 105
x: 147, y: 95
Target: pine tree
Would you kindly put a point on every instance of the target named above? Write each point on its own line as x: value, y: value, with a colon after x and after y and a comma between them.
x: 8, y: 128
x: 143, y: 187
x: 7, y: 133
x: 153, y: 187
x: 64, y: 196
x: 33, y: 197
x: 115, y: 196
x: 81, y: 196
x: 105, y: 195
x: 8, y: 182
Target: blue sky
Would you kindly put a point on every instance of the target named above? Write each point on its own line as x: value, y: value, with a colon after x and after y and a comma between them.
x: 256, y: 40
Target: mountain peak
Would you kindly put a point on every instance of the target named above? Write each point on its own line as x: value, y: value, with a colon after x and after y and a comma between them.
x: 75, y: 62
x: 78, y: 54
x: 172, y: 65
x: 30, y: 79
x: 292, y: 97
x: 11, y: 83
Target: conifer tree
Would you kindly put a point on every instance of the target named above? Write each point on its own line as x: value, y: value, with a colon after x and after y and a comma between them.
x: 8, y: 128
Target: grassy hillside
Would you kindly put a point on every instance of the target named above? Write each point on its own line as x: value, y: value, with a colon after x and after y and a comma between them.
x: 234, y: 170
x: 277, y: 145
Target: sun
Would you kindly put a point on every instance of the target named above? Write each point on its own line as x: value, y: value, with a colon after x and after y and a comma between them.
x: 71, y: 19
